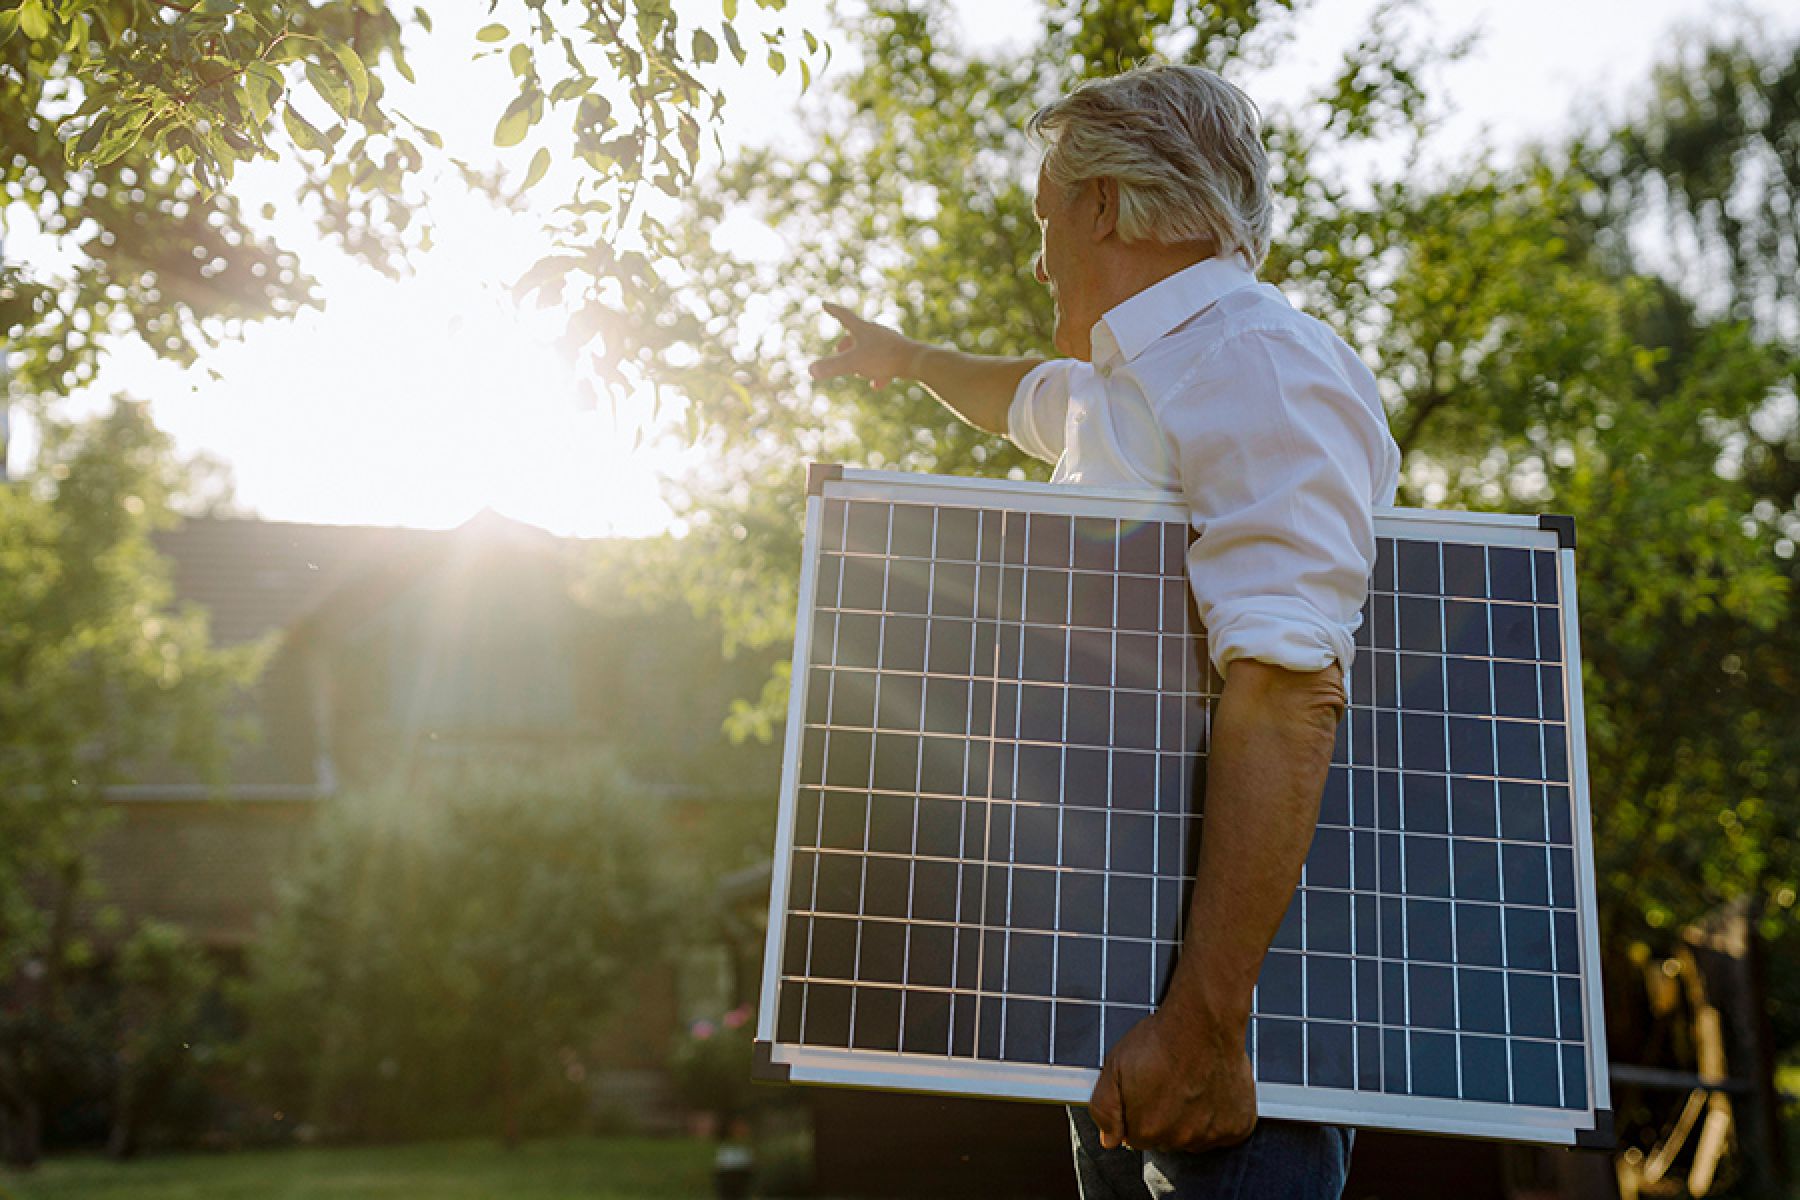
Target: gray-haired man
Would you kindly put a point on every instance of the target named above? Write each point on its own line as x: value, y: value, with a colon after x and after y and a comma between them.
x: 1183, y: 373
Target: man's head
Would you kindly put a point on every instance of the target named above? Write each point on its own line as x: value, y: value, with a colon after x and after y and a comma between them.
x: 1143, y: 173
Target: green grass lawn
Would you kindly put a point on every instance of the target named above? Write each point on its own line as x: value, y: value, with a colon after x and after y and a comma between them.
x: 588, y: 1168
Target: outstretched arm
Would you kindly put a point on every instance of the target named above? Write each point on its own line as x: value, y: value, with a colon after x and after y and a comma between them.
x: 1181, y: 1078
x: 978, y: 388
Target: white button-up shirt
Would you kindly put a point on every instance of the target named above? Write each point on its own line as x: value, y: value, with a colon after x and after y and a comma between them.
x: 1210, y: 384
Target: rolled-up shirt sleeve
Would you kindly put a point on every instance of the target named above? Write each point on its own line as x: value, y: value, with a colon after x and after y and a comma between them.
x: 1037, y: 420
x: 1280, y: 461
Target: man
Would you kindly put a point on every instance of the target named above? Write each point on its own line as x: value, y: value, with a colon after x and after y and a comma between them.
x: 1183, y: 373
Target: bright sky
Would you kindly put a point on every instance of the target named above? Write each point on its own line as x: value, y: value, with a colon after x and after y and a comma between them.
x: 422, y: 401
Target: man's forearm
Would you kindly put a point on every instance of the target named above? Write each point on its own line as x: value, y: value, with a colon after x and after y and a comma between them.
x: 978, y: 388
x: 1272, y: 736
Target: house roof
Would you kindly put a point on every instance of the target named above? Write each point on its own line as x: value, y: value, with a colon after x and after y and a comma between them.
x: 254, y: 576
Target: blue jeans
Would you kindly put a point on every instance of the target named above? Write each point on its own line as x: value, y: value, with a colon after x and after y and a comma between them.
x: 1282, y: 1160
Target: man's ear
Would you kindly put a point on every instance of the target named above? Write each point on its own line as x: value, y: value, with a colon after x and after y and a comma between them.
x: 1106, y: 208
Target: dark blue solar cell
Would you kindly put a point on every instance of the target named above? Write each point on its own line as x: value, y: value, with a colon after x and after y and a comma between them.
x: 1515, y: 690
x: 989, y: 1014
x: 833, y: 950
x: 1522, y: 812
x: 1128, y: 906
x: 1568, y: 1009
x: 831, y: 528
x: 1484, y: 1068
x: 1383, y: 580
x: 1330, y: 1056
x: 1128, y: 972
x: 1328, y: 987
x: 1077, y: 1038
x: 1328, y: 921
x: 1368, y: 1058
x: 824, y: 639
x: 1568, y: 948
x: 1387, y: 800
x: 926, y: 1027
x: 909, y: 586
x: 1534, y: 1074
x: 1084, y: 839
x: 1574, y: 1077
x: 1045, y: 653
x: 1133, y: 845
x: 987, y: 597
x: 1427, y: 865
x: 1085, y: 780
x: 1010, y: 606
x: 1034, y: 835
x: 1519, y: 749
x: 1393, y: 927
x: 1013, y: 537
x: 1478, y: 935
x: 931, y: 955
x: 1140, y: 603
x: 958, y: 533
x: 827, y: 1021
x: 1140, y: 548
x: 1368, y: 990
x: 1386, y: 670
x: 1362, y: 798
x: 1090, y: 657
x: 867, y: 529
x: 1524, y: 875
x: 910, y: 535
x: 896, y: 766
x: 1117, y: 1021
x: 1428, y: 930
x: 795, y: 943
x: 1549, y: 635
x: 1551, y: 692
x: 1162, y: 966
x: 1334, y: 805
x: 1078, y: 968
x: 1047, y: 540
x: 1366, y: 919
x: 1328, y: 863
x: 1138, y: 661
x: 787, y: 1012
x: 1279, y: 1051
x: 1469, y: 689
x: 837, y: 886
x: 1509, y: 573
x: 1178, y: 611
x: 1278, y: 987
x: 952, y: 594
x: 1528, y: 939
x: 1091, y: 600
x: 1029, y: 966
x: 899, y: 701
x: 1362, y: 860
x: 971, y: 895
x: 1515, y: 630
x: 1427, y: 803
x: 1047, y: 597
x: 1381, y: 621
x: 858, y: 639
x: 1556, y: 752
x: 1089, y: 716
x: 1418, y: 567
x: 1290, y: 934
x: 1543, y: 568
x: 1472, y: 807
x: 806, y: 817
x: 1387, y: 738
x: 1534, y: 1006
x: 891, y: 824
x: 952, y: 643
x: 934, y: 890
x: 1027, y: 1036
x: 1471, y: 746
x: 1465, y: 627
x: 1562, y: 877
x: 1033, y: 899
x: 1393, y: 993
x: 1481, y: 999
x: 1393, y: 1061
x: 1081, y: 903
x: 962, y: 1025
x: 1360, y: 685
x: 1422, y: 682
x: 942, y: 767
x: 903, y: 644
x: 1434, y: 1065
x: 1465, y: 570
x: 1477, y: 866
x: 826, y: 580
x: 887, y: 883
x: 1387, y: 857
x: 1421, y: 624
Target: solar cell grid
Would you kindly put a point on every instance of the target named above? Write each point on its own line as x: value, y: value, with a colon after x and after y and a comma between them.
x: 998, y: 775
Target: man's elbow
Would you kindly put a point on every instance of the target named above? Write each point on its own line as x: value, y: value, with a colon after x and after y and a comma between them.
x: 1313, y: 701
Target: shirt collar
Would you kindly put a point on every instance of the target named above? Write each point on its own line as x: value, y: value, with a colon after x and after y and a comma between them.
x: 1129, y: 328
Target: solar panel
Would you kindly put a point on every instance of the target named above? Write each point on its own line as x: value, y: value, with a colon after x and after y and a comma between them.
x: 991, y: 802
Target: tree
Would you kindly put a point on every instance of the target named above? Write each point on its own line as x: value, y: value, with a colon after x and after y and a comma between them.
x: 124, y: 121
x: 96, y: 673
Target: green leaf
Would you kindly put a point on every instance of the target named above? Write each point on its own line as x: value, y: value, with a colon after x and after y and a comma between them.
x: 520, y: 58
x: 737, y: 47
x: 706, y: 50
x: 516, y: 120
x: 423, y: 18
x: 219, y: 8
x: 305, y: 134
x: 9, y: 24
x: 121, y: 135
x: 540, y: 163
x: 354, y: 71
x: 32, y: 21
x: 331, y: 89
x: 812, y: 43
x: 491, y: 33
x: 777, y: 61
x: 731, y: 10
